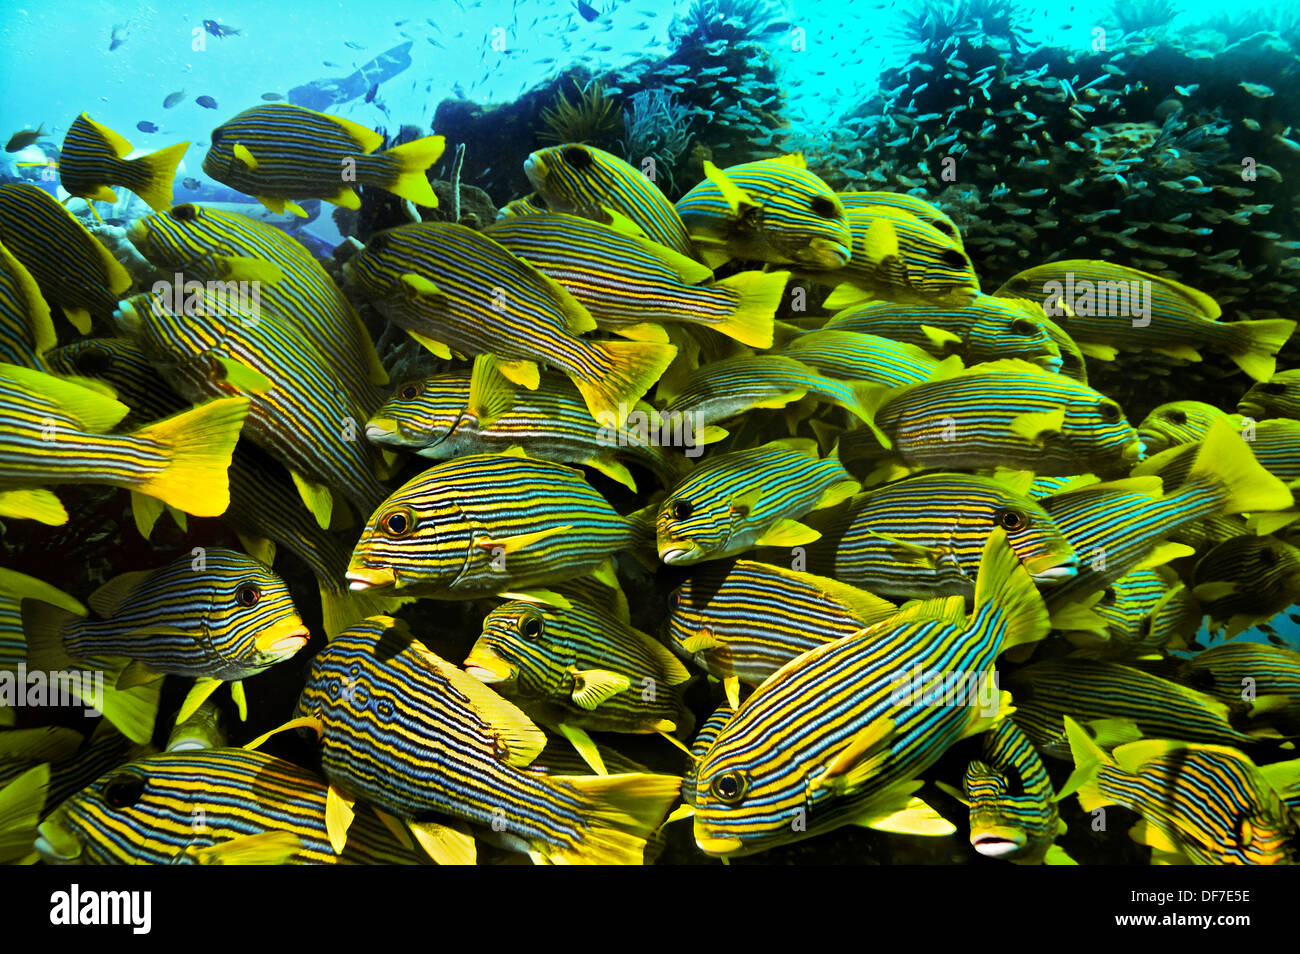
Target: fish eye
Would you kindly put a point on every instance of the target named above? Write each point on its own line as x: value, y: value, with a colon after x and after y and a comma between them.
x: 1010, y: 519
x: 377, y: 243
x: 1110, y: 413
x: 531, y: 627
x: 577, y: 157
x: 94, y: 361
x: 954, y: 258
x: 1273, y: 387
x: 824, y: 207
x: 184, y: 213
x: 1108, y: 596
x: 124, y: 791
x: 1268, y: 556
x: 1176, y: 417
x: 410, y: 392
x: 682, y: 509
x: 248, y: 595
x: 398, y: 523
x: 1022, y: 327
x: 729, y: 787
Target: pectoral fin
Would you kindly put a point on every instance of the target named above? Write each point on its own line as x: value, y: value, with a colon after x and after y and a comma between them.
x: 591, y: 687
x: 338, y: 818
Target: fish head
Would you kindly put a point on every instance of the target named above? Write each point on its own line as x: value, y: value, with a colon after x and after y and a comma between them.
x: 1038, y: 542
x: 1098, y: 433
x: 419, y: 537
x: 1012, y: 329
x: 175, y: 238
x: 694, y: 524
x: 1178, y: 422
x: 424, y: 414
x: 998, y: 827
x: 1279, y: 396
x: 798, y: 217
x: 58, y: 840
x: 572, y: 176
x: 252, y: 623
x: 514, y: 650
x: 87, y: 828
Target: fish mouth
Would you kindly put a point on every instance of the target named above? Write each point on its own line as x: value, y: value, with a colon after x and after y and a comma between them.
x: 379, y: 429
x: 714, y: 845
x: 1055, y: 574
x: 284, y: 639
x: 1153, y: 442
x: 1051, y: 364
x: 366, y: 578
x: 55, y: 844
x: 533, y: 171
x: 488, y: 668
x: 824, y: 253
x: 676, y: 553
x: 997, y: 842
x: 1249, y: 408
x: 137, y: 232
x: 1134, y: 452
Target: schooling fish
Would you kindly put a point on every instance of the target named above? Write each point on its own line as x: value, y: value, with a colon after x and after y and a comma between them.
x: 1013, y: 813
x: 1270, y: 673
x: 1279, y: 396
x: 1247, y: 580
x: 922, y: 537
x: 625, y: 280
x: 219, y: 30
x: 838, y: 735
x: 980, y: 330
x: 221, y: 345
x: 26, y: 329
x: 93, y: 158
x: 583, y: 180
x: 1206, y: 804
x: 773, y: 211
x: 456, y: 289
x: 462, y: 412
x: 720, y: 390
x: 896, y: 255
x: 124, y: 367
x: 217, y: 616
x: 413, y: 735
x: 585, y: 667
x: 1120, y: 307
x: 73, y: 269
x: 851, y: 356
x: 52, y: 431
x: 1181, y: 422
x: 206, y: 807
x: 741, y: 621
x: 191, y: 238
x: 1142, y: 612
x: 1004, y: 413
x: 748, y: 498
x: 449, y: 534
x: 207, y: 102
x: 173, y: 99
x: 280, y: 152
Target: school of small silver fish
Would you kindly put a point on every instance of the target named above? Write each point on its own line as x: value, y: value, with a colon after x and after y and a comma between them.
x: 735, y: 515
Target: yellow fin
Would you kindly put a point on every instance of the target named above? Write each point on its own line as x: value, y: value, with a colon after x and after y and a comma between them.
x: 445, y: 844
x: 519, y: 541
x: 522, y: 372
x: 591, y: 687
x: 731, y: 689
x: 535, y: 595
x: 145, y: 511
x: 338, y: 818
x: 614, y: 471
x: 316, y: 497
x: 1032, y: 425
x: 241, y: 375
x: 585, y: 747
x: 917, y: 818
x: 940, y: 338
x: 33, y: 504
x: 160, y: 172
x: 788, y: 533
x: 267, y: 848
x: 859, y: 760
x: 737, y: 199
x: 198, y: 695
x: 246, y: 157
x: 92, y: 409
x: 490, y: 394
x: 413, y: 159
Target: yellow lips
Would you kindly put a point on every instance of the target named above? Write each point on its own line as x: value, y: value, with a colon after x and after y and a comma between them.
x: 996, y: 841
x: 712, y: 845
x: 55, y: 843
x: 675, y: 551
x: 365, y: 577
x: 283, y: 638
x: 489, y: 668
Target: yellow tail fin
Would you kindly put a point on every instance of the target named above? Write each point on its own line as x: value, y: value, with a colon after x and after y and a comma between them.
x: 634, y: 367
x: 21, y: 804
x: 757, y: 297
x: 623, y: 811
x: 412, y: 159
x: 43, y: 626
x: 1089, y: 759
x: 1256, y: 344
x: 199, y: 444
x: 160, y: 166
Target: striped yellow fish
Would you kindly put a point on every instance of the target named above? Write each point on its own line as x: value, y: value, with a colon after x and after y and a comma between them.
x: 280, y: 152
x: 192, y: 239
x: 1269, y: 673
x: 1004, y: 413
x: 461, y: 412
x: 53, y: 431
x: 1279, y: 396
x: 488, y: 524
x: 851, y: 356
x: 212, y: 806
x: 927, y: 212
x: 749, y: 498
x: 73, y: 269
x: 93, y: 158
x: 1013, y: 813
x: 1206, y: 804
x: 1247, y: 580
x: 584, y: 666
x: 923, y: 537
x: 1181, y: 422
x: 837, y: 736
x: 1142, y: 612
x: 456, y: 289
x: 414, y: 736
x: 741, y: 621
x: 583, y: 180
x: 1121, y: 307
x: 217, y: 616
x: 772, y: 211
x: 626, y: 281
x: 120, y: 363
x: 26, y: 329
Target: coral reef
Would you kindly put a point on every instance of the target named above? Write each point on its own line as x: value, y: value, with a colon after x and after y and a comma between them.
x: 593, y: 119
x: 657, y: 127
